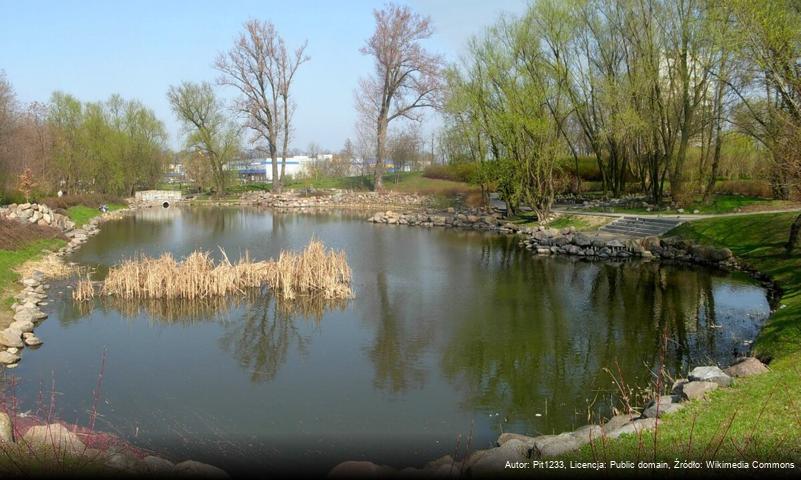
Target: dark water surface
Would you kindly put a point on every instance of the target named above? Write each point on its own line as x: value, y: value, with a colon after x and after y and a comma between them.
x: 450, y: 333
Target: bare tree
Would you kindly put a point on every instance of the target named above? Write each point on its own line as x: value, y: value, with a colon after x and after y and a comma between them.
x: 210, y: 134
x: 406, y: 77
x: 287, y: 67
x: 251, y: 67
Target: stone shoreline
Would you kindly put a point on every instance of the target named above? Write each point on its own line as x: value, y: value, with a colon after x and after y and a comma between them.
x: 58, y: 440
x: 523, y: 449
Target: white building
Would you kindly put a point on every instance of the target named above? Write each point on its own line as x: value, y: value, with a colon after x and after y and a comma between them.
x: 261, y: 169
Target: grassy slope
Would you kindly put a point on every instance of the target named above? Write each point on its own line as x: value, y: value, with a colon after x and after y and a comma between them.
x: 719, y: 204
x: 758, y: 418
x: 11, y: 259
x: 80, y: 214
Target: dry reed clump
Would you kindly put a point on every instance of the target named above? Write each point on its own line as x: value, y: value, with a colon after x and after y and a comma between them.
x: 51, y: 266
x: 316, y: 270
x: 84, y: 290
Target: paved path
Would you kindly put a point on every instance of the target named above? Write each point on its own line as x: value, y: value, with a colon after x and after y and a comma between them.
x: 684, y: 217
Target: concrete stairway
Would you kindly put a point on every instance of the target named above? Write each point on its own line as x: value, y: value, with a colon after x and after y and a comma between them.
x: 641, y: 226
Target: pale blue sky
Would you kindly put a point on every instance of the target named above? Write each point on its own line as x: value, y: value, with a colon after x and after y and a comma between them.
x: 92, y: 49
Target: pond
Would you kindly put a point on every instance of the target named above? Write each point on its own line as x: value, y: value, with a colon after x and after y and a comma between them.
x: 451, y: 335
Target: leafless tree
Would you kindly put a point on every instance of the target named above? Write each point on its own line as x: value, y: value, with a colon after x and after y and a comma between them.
x: 287, y: 67
x: 406, y: 77
x: 262, y: 69
x: 250, y: 66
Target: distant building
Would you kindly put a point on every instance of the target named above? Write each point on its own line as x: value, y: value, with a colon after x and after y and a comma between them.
x: 261, y: 169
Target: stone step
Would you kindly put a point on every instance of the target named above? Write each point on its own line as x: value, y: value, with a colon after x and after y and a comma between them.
x: 641, y: 226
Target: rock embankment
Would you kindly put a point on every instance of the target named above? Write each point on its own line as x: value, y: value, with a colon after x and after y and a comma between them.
x: 333, y: 199
x: 37, y: 214
x: 476, y: 219
x: 27, y: 311
x: 512, y: 447
x: 89, y: 448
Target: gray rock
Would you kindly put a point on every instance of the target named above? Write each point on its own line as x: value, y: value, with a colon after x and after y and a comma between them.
x: 553, y: 445
x: 635, y: 427
x: 664, y: 405
x: 54, y: 437
x: 494, y: 460
x: 697, y: 390
x: 32, y: 340
x: 349, y: 469
x: 505, y: 437
x: 588, y: 433
x: 746, y: 367
x: 710, y: 374
x: 8, y: 358
x: 22, y: 325
x: 125, y: 462
x: 11, y: 337
x: 618, y: 421
x: 6, y: 429
x: 198, y: 469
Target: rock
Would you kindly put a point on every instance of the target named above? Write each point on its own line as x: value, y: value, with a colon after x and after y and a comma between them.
x: 553, y: 445
x: 198, y: 469
x: 6, y: 430
x: 661, y: 406
x: 25, y: 315
x: 746, y: 367
x: 354, y: 469
x: 697, y: 390
x: 588, y: 433
x: 32, y: 340
x: 618, y: 421
x: 158, y: 464
x: 54, y: 436
x: 710, y: 374
x: 11, y: 337
x: 126, y: 462
x: 634, y: 427
x: 30, y: 282
x: 505, y: 437
x: 677, y: 385
x: 614, y: 244
x: 494, y: 460
x: 8, y: 358
x: 22, y: 325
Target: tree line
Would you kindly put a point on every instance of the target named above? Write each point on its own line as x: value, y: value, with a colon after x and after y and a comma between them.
x: 638, y: 85
x: 112, y: 147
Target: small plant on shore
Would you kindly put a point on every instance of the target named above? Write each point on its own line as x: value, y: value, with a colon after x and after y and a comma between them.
x: 26, y: 184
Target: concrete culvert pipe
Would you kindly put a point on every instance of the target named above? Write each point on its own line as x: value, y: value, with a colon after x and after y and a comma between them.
x: 166, y: 204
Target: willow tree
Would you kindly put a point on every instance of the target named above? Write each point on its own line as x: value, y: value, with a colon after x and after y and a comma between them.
x: 406, y: 77
x: 209, y: 133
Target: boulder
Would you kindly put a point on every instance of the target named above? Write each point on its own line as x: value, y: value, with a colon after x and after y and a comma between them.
x: 6, y: 429
x: 353, y: 469
x: 8, y: 358
x: 22, y: 325
x: 710, y: 374
x: 635, y: 427
x: 618, y: 421
x: 54, y: 436
x: 11, y: 337
x: 664, y: 405
x: 125, y: 462
x: 697, y: 390
x: 505, y: 437
x: 746, y: 367
x: 494, y: 460
x: 588, y: 433
x: 554, y: 445
x: 31, y: 340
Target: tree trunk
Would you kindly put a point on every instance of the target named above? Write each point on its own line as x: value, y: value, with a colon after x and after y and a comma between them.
x: 795, y: 228
x: 277, y: 187
x: 378, y: 183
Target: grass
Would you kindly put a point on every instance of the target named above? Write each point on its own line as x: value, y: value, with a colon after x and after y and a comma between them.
x: 81, y: 214
x: 720, y: 204
x: 11, y: 259
x: 758, y: 418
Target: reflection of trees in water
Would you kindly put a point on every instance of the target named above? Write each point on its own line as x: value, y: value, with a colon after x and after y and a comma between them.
x: 395, y: 353
x: 514, y: 352
x: 260, y: 337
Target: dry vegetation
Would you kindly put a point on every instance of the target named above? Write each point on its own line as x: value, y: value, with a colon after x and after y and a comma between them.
x: 316, y: 271
x: 15, y: 234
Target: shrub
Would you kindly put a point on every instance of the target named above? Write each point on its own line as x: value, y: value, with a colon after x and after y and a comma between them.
x: 455, y: 172
x: 14, y: 234
x: 751, y: 188
x: 93, y: 200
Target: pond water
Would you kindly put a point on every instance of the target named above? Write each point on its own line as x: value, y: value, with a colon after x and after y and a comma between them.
x: 451, y: 335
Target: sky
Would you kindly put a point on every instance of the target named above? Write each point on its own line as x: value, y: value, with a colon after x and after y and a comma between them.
x: 93, y: 49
